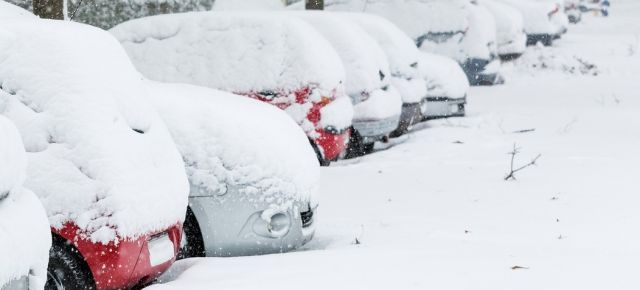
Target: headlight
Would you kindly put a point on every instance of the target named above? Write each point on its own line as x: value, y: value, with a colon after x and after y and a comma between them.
x: 277, y: 226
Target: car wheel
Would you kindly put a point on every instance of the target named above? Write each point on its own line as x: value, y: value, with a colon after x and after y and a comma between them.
x: 191, y: 244
x: 323, y: 161
x: 67, y: 270
x: 357, y: 147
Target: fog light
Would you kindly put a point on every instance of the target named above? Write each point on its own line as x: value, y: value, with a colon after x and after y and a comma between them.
x: 276, y: 226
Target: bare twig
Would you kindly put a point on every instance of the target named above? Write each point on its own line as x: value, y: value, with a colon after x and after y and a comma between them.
x: 513, y: 170
x: 524, y: 131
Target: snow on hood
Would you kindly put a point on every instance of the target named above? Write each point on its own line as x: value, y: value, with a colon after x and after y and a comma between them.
x: 248, y: 5
x: 401, y: 52
x: 509, y: 21
x: 444, y: 76
x: 365, y: 62
x: 236, y: 52
x: 261, y: 151
x: 25, y: 236
x: 535, y: 15
x: 97, y: 151
x: 12, y: 12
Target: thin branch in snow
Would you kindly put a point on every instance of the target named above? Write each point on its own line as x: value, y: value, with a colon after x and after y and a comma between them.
x: 513, y: 169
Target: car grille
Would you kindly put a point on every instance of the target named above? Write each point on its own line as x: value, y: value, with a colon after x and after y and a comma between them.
x: 307, y: 218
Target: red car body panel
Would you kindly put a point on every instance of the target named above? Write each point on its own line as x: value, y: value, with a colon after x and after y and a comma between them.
x: 123, y: 263
x: 331, y: 144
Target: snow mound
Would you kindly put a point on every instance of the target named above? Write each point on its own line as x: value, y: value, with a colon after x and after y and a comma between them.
x: 24, y: 230
x: 97, y: 151
x: 541, y: 59
x: 401, y: 51
x: 248, y: 5
x: 12, y: 12
x: 444, y: 76
x: 262, y: 152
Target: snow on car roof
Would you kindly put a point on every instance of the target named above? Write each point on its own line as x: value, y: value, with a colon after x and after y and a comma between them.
x: 232, y: 51
x: 99, y: 156
x: 261, y: 152
x: 535, y: 15
x: 10, y: 11
x: 509, y: 21
x: 444, y: 76
x: 364, y: 60
x: 24, y: 231
x: 414, y: 17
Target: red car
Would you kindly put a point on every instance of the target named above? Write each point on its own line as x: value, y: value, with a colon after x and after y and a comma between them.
x: 101, y: 160
x: 278, y: 60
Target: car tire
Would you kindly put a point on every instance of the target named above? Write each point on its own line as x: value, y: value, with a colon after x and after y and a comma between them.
x: 67, y: 269
x: 357, y: 147
x: 323, y: 161
x: 192, y: 244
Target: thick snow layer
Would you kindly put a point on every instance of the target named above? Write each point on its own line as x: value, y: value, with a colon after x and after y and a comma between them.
x: 536, y: 15
x: 365, y: 63
x: 337, y: 114
x: 10, y: 12
x: 401, y: 52
x: 230, y: 141
x: 480, y: 40
x: 433, y: 212
x: 238, y: 52
x: 444, y: 76
x: 510, y: 34
x: 99, y: 156
x: 25, y: 236
x: 443, y: 21
x: 382, y: 104
x: 248, y: 5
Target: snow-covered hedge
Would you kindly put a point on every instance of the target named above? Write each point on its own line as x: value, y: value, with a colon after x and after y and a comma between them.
x: 444, y: 76
x: 25, y: 236
x: 99, y: 155
x: 256, y: 54
x: 259, y: 151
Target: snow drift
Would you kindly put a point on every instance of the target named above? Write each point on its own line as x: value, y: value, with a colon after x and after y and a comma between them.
x: 99, y: 156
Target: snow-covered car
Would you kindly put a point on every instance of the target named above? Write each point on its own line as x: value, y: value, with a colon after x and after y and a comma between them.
x: 596, y: 6
x: 543, y: 20
x: 511, y: 39
x: 454, y: 28
x: 572, y: 9
x: 251, y: 192
x: 280, y: 61
x: 447, y: 86
x: 377, y: 103
x: 403, y: 57
x: 101, y: 160
x: 25, y: 237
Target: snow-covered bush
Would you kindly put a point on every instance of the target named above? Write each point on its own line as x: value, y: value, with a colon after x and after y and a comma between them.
x: 259, y: 152
x: 540, y: 59
x: 25, y: 236
x: 100, y: 158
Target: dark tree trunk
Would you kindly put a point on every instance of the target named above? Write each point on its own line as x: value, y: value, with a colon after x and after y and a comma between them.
x: 314, y: 4
x: 50, y: 9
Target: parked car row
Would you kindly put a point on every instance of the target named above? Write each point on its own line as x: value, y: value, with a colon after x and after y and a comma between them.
x: 202, y: 134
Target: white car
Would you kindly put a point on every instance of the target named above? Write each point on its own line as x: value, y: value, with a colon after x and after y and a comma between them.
x: 253, y: 175
x: 101, y: 160
x: 377, y: 103
x: 403, y: 56
x: 511, y: 39
x: 25, y: 237
x: 544, y: 21
x: 447, y: 86
x: 280, y: 61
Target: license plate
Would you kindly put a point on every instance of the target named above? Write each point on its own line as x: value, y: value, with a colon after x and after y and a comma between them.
x: 161, y: 250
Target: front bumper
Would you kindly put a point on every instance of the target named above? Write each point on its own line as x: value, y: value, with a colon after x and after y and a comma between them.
x: 375, y: 130
x: 481, y: 72
x: 234, y: 226
x: 443, y: 107
x: 125, y: 263
x: 332, y: 143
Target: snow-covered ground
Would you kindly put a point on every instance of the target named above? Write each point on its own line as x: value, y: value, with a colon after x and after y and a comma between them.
x: 433, y: 211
